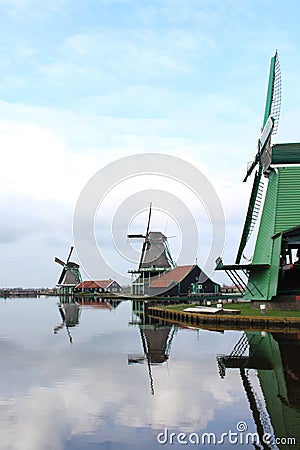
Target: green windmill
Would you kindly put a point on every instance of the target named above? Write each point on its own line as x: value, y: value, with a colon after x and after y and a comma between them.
x: 272, y: 272
x: 70, y: 275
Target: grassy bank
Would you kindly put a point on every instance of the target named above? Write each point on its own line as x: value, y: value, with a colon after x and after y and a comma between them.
x: 246, y: 310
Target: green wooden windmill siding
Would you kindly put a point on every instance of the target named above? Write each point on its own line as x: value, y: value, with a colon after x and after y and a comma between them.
x: 279, y: 229
x: 281, y: 212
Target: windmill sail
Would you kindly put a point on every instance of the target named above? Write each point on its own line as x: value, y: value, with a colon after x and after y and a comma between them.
x: 146, y: 237
x: 273, y: 102
x: 62, y: 276
x: 252, y: 214
x: 263, y: 156
x: 270, y: 120
x: 59, y: 261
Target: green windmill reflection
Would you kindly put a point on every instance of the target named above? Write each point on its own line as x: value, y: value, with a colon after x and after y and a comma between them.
x: 274, y: 362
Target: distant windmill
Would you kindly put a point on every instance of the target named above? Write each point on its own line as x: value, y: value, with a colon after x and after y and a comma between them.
x: 155, y: 258
x: 155, y: 250
x: 70, y: 275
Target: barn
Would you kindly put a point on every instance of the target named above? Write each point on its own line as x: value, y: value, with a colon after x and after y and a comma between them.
x: 180, y: 280
x: 98, y: 287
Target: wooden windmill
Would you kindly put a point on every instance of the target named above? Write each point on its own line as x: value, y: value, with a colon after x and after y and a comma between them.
x: 70, y: 275
x: 271, y: 272
x: 155, y: 257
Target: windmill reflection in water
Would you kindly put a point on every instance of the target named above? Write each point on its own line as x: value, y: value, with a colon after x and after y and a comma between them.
x: 156, y: 339
x: 70, y: 309
x: 269, y: 366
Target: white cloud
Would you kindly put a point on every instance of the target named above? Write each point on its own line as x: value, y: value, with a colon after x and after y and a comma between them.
x: 39, y: 163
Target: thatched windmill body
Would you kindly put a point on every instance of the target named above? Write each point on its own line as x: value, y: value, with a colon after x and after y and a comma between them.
x: 155, y: 258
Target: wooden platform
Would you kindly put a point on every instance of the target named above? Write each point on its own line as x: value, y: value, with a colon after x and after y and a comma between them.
x: 225, y: 321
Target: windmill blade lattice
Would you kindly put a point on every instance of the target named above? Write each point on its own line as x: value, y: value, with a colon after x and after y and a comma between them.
x: 256, y: 207
x: 252, y: 214
x: 276, y: 101
x: 270, y: 120
x: 273, y: 104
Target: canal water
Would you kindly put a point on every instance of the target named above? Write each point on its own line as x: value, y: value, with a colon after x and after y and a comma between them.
x: 103, y: 376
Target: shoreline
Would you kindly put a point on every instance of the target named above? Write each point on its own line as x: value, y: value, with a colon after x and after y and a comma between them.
x: 225, y: 321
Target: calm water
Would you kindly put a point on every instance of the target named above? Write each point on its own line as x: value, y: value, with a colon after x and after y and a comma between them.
x: 106, y: 382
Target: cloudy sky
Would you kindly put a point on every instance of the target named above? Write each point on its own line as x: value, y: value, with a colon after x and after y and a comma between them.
x: 85, y: 83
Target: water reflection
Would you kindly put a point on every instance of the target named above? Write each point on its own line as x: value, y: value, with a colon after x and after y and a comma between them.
x: 156, y: 339
x: 96, y: 393
x: 70, y: 313
x: 70, y: 308
x: 274, y: 360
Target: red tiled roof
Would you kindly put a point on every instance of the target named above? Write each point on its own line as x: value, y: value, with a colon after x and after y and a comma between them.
x: 94, y: 284
x: 177, y: 275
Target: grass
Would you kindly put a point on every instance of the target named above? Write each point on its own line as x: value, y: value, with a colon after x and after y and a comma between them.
x: 246, y: 310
